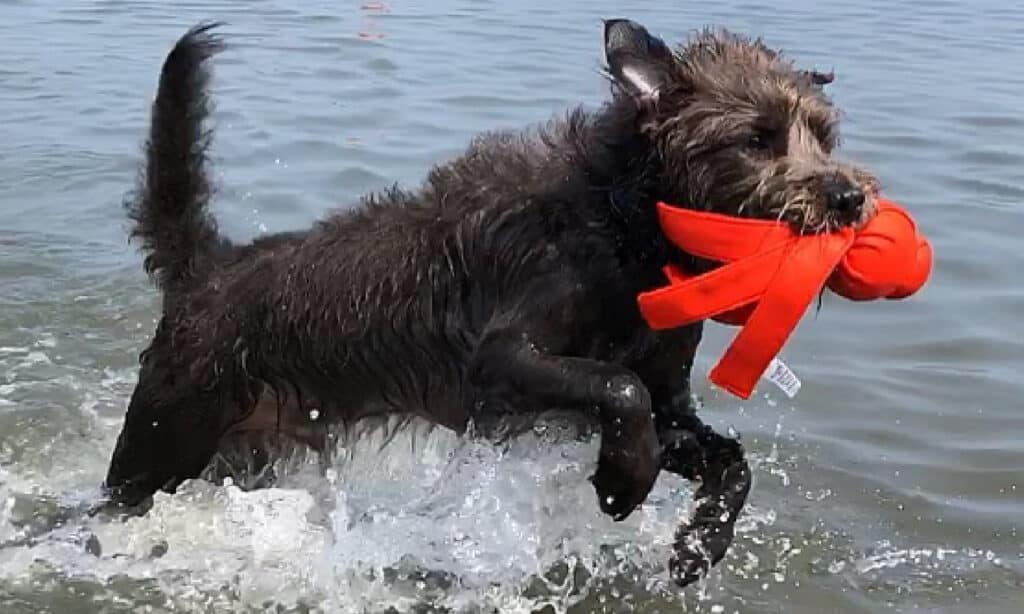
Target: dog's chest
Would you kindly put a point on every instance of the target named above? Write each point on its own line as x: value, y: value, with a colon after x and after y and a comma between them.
x: 618, y: 333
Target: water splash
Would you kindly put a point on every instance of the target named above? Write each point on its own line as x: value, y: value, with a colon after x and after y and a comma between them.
x: 428, y: 519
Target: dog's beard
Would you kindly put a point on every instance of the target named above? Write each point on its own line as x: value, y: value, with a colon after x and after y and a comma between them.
x: 806, y: 215
x: 792, y: 197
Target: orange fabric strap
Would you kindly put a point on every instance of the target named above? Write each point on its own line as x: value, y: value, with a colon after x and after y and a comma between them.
x: 771, y: 275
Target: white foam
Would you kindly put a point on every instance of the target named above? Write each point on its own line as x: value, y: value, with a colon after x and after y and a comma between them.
x: 394, y: 527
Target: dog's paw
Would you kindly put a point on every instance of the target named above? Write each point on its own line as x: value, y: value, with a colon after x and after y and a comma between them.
x: 697, y: 549
x: 624, y: 477
x: 688, y: 566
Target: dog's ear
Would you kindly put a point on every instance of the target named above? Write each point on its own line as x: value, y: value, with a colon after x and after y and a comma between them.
x: 637, y: 61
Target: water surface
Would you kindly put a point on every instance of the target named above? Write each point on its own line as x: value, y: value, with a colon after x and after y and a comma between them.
x: 893, y: 482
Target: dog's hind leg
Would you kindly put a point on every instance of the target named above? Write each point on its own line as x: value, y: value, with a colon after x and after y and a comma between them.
x: 510, y: 365
x: 275, y: 430
x: 170, y: 433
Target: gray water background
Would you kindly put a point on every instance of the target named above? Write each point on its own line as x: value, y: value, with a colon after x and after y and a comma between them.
x: 893, y: 482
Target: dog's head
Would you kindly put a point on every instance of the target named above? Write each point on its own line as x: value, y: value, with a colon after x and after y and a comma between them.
x: 738, y: 128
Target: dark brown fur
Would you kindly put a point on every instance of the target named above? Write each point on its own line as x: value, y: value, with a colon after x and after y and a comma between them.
x: 504, y: 286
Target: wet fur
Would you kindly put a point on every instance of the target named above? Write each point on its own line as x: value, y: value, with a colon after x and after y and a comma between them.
x: 501, y: 287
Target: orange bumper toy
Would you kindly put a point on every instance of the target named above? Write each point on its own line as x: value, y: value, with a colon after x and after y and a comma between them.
x: 771, y: 274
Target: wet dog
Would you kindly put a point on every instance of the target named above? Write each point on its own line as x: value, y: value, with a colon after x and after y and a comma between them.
x: 504, y: 286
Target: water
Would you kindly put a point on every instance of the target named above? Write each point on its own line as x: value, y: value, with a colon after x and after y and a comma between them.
x: 893, y: 482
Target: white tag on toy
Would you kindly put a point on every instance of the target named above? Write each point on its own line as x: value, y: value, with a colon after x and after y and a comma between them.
x: 780, y: 375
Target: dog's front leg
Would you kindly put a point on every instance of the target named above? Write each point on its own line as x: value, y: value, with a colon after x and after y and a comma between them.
x: 696, y: 452
x: 510, y: 366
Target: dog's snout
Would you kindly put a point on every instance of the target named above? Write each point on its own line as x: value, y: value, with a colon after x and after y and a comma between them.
x: 844, y: 196
x: 847, y: 200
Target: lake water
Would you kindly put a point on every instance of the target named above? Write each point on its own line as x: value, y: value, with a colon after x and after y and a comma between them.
x: 892, y: 482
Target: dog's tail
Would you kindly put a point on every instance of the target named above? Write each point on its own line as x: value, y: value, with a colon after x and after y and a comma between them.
x: 169, y: 206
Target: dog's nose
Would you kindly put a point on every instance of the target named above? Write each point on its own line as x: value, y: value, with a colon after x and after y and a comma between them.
x: 846, y: 198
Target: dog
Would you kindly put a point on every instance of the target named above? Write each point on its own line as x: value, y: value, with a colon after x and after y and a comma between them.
x: 504, y: 286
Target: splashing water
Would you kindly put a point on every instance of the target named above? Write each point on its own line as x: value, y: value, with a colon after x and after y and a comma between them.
x: 427, y: 518
x: 415, y: 519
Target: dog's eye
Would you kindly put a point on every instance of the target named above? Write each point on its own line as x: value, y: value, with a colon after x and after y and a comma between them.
x: 760, y: 141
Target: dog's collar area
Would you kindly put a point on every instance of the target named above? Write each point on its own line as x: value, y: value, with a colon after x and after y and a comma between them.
x: 637, y: 218
x: 772, y: 274
x: 634, y: 214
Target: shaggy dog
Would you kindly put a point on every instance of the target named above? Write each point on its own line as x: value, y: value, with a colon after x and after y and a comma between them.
x: 502, y: 287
